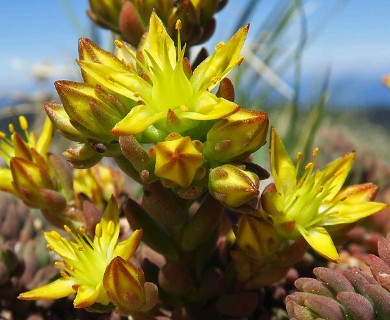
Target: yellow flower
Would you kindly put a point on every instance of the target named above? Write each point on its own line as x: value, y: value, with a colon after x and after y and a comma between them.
x: 170, y: 98
x: 98, y: 183
x: 304, y: 206
x: 85, y: 261
x: 26, y: 158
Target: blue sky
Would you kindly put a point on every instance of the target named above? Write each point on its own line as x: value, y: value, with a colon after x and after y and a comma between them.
x: 351, y: 37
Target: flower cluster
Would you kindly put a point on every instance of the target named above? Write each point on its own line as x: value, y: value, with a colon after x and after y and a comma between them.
x: 151, y: 95
x: 212, y: 233
x: 129, y: 19
x: 98, y: 270
x: 34, y: 175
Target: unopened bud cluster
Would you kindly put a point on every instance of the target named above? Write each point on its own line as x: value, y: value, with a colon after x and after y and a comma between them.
x: 130, y: 18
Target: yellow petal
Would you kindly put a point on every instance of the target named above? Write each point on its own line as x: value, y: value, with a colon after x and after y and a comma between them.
x: 120, y: 81
x: 45, y: 138
x: 335, y: 172
x: 349, y: 211
x: 158, y: 43
x: 64, y: 248
x: 126, y: 249
x: 319, y: 239
x: 110, y: 226
x: 359, y: 192
x: 207, y: 106
x: 89, y: 51
x: 61, y: 121
x: 212, y: 70
x: 283, y: 170
x: 87, y: 296
x: 137, y: 120
x: 6, y: 181
x: 58, y: 289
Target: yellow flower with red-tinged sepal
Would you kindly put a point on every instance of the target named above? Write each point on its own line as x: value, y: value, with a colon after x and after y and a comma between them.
x: 306, y: 205
x: 85, y: 261
x: 170, y: 97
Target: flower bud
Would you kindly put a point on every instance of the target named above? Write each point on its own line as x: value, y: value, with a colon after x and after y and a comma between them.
x: 255, y: 236
x: 233, y: 186
x: 61, y: 121
x: 191, y: 30
x: 82, y: 156
x: 235, y: 137
x: 130, y: 24
x: 125, y: 285
x: 28, y: 179
x: 178, y: 159
x: 88, y: 113
x: 105, y: 13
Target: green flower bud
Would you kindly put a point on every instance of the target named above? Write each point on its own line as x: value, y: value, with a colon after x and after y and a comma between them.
x: 82, y: 156
x: 256, y: 237
x: 235, y: 137
x: 105, y: 13
x: 233, y: 186
x: 178, y: 159
x: 88, y: 113
x: 125, y: 286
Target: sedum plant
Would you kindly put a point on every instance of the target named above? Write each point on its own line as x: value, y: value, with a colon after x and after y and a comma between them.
x: 204, y: 238
x: 355, y: 293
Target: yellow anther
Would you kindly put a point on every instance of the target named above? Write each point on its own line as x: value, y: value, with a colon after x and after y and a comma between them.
x: 110, y: 227
x: 320, y: 189
x: 64, y: 274
x: 183, y: 108
x: 82, y: 231
x: 215, y: 80
x: 2, y: 135
x: 315, y: 152
x: 119, y: 44
x: 299, y: 156
x: 239, y: 61
x: 98, y: 230
x: 56, y: 235
x: 178, y: 25
x: 58, y: 264
x: 50, y: 247
x: 11, y: 128
x: 80, y: 248
x: 23, y: 122
x: 67, y: 229
x: 309, y: 166
x: 219, y: 46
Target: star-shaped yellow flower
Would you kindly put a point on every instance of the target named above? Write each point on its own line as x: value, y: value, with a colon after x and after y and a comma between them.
x: 170, y: 97
x: 85, y: 261
x: 304, y: 206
